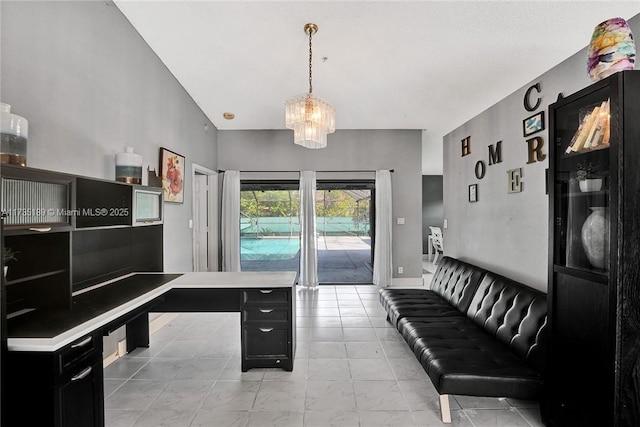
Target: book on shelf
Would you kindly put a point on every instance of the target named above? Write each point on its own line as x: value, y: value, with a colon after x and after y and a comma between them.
x: 593, y: 132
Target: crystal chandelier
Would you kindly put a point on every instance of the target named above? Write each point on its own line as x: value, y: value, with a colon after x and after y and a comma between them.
x: 310, y: 118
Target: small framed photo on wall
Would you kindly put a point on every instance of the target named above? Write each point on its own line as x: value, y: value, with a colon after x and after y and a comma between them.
x: 473, y: 193
x: 172, y: 173
x: 533, y: 124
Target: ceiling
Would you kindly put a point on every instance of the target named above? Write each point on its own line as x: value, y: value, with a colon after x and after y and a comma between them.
x: 429, y: 65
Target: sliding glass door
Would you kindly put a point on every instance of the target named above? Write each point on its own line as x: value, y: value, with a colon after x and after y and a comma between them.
x: 269, y: 226
x: 345, y: 231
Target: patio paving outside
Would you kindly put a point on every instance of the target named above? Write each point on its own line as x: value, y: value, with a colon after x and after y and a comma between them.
x: 341, y: 259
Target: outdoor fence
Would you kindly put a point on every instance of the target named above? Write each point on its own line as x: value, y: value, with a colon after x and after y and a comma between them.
x: 290, y: 226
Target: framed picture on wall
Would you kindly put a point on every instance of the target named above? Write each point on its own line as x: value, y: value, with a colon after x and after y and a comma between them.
x: 473, y: 193
x: 172, y: 173
x: 533, y: 124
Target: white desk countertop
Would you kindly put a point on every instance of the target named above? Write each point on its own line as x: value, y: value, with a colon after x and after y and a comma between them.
x: 248, y: 279
x: 202, y: 280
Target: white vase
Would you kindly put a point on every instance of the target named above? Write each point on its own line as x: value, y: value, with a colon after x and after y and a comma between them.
x: 595, y: 237
x: 593, y: 184
x: 14, y: 131
x: 129, y: 166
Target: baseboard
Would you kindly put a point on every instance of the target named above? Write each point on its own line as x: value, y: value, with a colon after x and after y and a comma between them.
x: 409, y: 282
x: 160, y: 321
x: 154, y: 325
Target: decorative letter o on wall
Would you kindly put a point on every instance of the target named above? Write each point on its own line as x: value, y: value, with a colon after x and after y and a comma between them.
x: 480, y: 169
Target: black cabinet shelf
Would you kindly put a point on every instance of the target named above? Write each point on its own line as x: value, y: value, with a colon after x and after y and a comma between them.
x: 56, y: 227
x: 579, y: 154
x: 594, y: 276
x: 37, y: 276
x: 593, y: 295
x: 590, y: 194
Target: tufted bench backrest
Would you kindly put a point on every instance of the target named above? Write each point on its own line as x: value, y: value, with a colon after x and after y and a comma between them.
x: 456, y: 282
x: 515, y: 314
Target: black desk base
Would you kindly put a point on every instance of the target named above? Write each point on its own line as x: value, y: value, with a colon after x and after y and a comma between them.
x: 64, y: 388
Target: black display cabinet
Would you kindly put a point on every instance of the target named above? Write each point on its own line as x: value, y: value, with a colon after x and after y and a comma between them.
x: 594, y: 256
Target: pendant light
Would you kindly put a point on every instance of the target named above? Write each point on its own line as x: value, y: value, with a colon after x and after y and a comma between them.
x: 310, y: 118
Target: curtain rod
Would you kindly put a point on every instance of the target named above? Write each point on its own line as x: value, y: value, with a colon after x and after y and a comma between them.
x: 390, y: 170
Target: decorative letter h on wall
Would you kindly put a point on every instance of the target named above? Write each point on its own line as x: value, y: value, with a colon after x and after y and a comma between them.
x: 466, y: 146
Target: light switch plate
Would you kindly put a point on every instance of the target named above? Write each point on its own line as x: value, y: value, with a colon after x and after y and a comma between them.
x: 400, y: 221
x: 445, y: 223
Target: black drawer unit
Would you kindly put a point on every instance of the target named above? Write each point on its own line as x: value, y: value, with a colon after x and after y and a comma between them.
x: 65, y: 386
x: 268, y: 328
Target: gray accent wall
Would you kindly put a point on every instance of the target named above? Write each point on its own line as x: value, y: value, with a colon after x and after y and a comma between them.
x: 89, y: 86
x: 506, y: 233
x: 347, y: 150
x: 432, y: 208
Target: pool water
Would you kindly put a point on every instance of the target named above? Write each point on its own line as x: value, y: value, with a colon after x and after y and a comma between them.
x: 269, y: 248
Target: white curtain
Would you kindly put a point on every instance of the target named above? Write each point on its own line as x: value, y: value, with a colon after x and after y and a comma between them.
x: 231, y: 221
x: 308, y: 243
x: 382, y: 263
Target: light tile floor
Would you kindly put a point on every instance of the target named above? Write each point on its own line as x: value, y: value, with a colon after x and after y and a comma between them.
x: 351, y: 369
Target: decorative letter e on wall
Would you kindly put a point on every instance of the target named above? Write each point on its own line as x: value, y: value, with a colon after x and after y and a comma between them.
x: 514, y: 180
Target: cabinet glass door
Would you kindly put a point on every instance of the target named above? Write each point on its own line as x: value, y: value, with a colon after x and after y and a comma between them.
x: 34, y: 202
x: 583, y: 137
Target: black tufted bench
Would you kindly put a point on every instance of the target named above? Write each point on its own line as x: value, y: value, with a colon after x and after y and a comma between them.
x: 474, y: 332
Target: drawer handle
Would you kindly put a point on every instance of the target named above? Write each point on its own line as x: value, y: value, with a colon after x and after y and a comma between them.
x: 40, y: 229
x: 82, y: 343
x: 266, y: 310
x: 266, y: 291
x: 266, y: 329
x: 82, y: 374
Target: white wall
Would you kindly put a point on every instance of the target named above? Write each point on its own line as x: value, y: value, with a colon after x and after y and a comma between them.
x: 506, y: 233
x: 89, y: 86
x: 431, y: 154
x: 347, y: 150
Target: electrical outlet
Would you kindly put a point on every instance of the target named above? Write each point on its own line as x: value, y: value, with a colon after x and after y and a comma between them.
x: 400, y: 270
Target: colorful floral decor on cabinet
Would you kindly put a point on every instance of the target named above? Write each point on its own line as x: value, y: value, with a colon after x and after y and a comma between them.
x: 612, y: 49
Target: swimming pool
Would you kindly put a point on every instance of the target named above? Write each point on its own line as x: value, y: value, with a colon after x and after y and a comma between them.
x: 269, y: 248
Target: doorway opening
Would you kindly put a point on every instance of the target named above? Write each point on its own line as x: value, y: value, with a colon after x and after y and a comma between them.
x: 345, y: 218
x: 205, y: 219
x: 344, y: 222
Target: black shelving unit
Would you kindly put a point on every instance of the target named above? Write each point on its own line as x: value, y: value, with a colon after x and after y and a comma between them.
x: 594, y: 256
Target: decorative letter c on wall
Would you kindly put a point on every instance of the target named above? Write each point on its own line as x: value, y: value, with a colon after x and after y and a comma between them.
x: 527, y: 95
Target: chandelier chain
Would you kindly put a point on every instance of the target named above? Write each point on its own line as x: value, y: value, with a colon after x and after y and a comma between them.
x: 310, y: 58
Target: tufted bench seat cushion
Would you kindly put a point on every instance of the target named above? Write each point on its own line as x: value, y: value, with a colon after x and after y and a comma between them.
x: 451, y: 290
x: 462, y: 359
x: 414, y: 328
x: 426, y: 304
x: 393, y: 296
